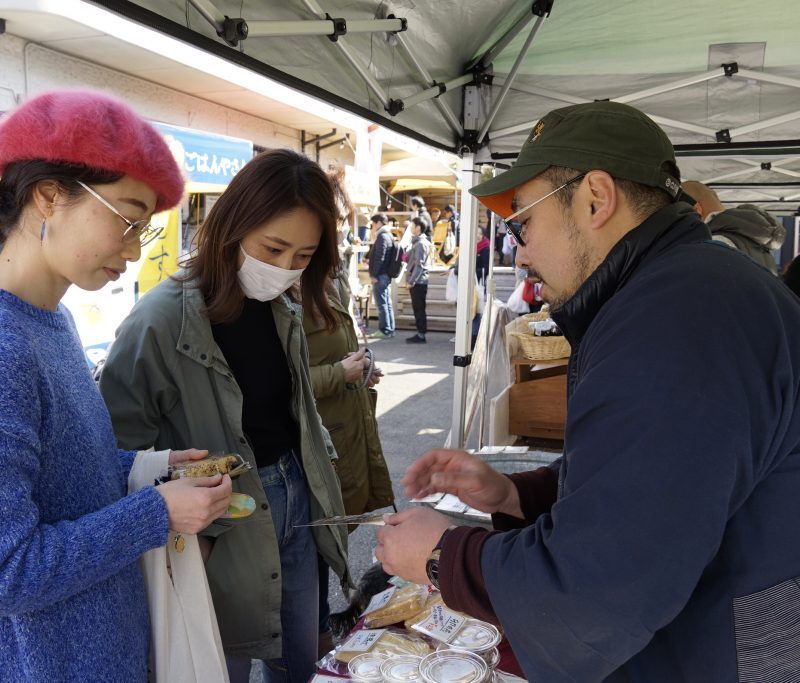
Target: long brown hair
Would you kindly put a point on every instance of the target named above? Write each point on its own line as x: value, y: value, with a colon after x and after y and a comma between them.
x: 272, y: 183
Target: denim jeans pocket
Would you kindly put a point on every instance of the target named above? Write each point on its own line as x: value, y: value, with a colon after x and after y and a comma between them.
x: 767, y: 631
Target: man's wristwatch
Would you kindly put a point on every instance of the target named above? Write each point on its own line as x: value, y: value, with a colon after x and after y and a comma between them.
x: 432, y: 564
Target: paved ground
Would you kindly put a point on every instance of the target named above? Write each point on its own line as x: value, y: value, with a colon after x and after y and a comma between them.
x: 415, y: 401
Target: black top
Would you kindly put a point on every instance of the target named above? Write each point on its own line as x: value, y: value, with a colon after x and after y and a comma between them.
x: 258, y: 362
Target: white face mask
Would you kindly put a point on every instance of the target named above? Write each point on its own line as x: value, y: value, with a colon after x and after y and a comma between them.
x: 264, y: 282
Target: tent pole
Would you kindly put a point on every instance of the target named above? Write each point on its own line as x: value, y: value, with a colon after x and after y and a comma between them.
x: 369, y: 79
x: 466, y: 290
x: 511, y: 76
x: 319, y: 27
x: 487, y: 57
x: 435, y: 91
x: 765, y: 123
x: 447, y: 112
x: 489, y: 288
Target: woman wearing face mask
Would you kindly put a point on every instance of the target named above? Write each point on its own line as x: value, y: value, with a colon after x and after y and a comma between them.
x: 81, y: 176
x: 217, y: 356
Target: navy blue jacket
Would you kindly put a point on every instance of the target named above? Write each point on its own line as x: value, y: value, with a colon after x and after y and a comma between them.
x: 673, y: 551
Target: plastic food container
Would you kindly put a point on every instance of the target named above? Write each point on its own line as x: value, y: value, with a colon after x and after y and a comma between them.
x: 491, y: 657
x: 480, y: 638
x: 454, y: 666
x: 401, y: 669
x: 220, y: 463
x: 366, y: 667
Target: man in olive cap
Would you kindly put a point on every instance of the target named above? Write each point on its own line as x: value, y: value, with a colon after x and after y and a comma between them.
x: 664, y: 544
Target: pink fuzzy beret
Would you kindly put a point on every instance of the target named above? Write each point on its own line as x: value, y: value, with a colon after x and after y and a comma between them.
x: 92, y: 129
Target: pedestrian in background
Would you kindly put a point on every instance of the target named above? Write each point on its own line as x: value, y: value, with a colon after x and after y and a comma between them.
x: 422, y: 212
x: 216, y: 355
x: 419, y: 257
x: 82, y: 175
x: 380, y: 255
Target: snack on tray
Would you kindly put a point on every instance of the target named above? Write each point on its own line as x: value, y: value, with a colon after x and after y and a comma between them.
x: 425, y: 612
x: 229, y: 463
x: 403, y: 604
x: 388, y: 643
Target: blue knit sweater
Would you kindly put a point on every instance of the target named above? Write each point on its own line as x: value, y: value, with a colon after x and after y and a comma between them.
x: 72, y: 601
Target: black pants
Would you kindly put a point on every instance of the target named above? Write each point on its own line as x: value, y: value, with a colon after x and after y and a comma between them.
x: 419, y: 293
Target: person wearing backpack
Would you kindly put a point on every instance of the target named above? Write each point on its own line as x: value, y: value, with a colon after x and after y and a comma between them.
x: 381, y: 255
x: 419, y: 254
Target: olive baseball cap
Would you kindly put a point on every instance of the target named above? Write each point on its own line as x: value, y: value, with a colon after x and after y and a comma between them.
x: 604, y: 136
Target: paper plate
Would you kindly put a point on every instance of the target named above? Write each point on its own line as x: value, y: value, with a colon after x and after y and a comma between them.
x: 241, y: 505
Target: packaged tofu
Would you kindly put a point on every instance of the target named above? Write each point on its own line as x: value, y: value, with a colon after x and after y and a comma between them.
x: 395, y: 605
x: 388, y: 642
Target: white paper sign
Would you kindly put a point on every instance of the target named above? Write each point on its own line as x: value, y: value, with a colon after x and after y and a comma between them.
x: 450, y: 503
x: 442, y: 624
x: 361, y: 641
x: 380, y: 600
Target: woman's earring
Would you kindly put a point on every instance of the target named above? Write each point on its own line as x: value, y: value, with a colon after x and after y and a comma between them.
x: 41, y: 233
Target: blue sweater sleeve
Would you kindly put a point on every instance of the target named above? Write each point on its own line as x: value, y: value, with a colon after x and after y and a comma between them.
x: 126, y: 458
x: 41, y: 564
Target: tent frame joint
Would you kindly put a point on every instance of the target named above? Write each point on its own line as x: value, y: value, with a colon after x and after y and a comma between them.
x: 723, y: 135
x: 403, y: 24
x: 469, y: 142
x: 395, y: 107
x: 542, y: 8
x: 339, y: 27
x: 462, y: 361
x: 730, y: 69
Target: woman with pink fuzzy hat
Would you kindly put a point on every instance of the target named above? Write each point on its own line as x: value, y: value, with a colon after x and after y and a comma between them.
x: 81, y: 176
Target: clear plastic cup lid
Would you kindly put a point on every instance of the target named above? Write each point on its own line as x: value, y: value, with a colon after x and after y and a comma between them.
x: 491, y: 657
x: 399, y: 669
x: 476, y: 636
x: 366, y: 667
x: 453, y: 667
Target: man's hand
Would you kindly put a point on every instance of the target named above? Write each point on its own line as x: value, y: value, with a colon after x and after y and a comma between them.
x: 464, y: 475
x: 374, y: 280
x: 406, y: 541
x: 183, y: 456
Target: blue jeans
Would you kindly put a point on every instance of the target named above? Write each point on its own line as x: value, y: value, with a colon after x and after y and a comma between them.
x: 383, y: 302
x: 287, y: 493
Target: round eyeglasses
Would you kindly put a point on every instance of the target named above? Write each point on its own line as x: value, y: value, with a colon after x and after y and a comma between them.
x: 137, y: 231
x: 518, y: 228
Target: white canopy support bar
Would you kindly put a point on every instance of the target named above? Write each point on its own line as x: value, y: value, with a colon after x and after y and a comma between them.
x: 466, y: 289
x: 511, y: 76
x: 444, y: 108
x: 682, y: 125
x: 766, y: 123
x: 768, y: 78
x: 674, y: 85
x: 572, y: 99
x: 435, y: 91
x: 210, y: 13
x: 369, y: 79
x: 544, y: 92
x: 511, y: 130
x: 320, y: 27
x: 503, y: 42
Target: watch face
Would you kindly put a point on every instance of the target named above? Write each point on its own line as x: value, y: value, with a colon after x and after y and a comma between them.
x: 432, y: 570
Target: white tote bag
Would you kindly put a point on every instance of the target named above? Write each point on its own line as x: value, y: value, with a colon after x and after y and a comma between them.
x: 185, y: 646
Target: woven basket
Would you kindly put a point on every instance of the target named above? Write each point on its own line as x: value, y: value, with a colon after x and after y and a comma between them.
x: 537, y: 348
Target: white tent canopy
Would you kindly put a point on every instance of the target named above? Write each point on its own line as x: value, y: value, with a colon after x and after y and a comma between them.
x: 721, y: 78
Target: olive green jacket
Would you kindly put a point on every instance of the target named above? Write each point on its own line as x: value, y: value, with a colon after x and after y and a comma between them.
x: 167, y: 384
x: 349, y: 414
